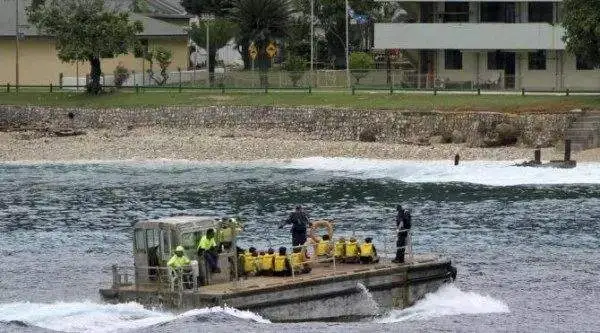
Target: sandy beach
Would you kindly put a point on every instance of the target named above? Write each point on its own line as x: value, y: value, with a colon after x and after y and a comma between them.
x: 218, y: 145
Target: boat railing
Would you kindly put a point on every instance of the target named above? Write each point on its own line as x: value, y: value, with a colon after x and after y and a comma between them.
x: 154, y: 278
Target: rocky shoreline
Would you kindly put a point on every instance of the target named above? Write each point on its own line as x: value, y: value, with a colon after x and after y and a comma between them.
x: 243, y: 133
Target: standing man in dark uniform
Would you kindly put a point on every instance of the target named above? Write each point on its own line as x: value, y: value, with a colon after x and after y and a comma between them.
x: 299, y: 221
x: 403, y: 224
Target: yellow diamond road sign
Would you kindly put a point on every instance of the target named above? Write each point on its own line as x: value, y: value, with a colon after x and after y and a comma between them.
x: 252, y: 51
x: 271, y: 50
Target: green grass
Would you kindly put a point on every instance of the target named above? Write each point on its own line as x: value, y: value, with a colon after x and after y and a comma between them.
x: 361, y: 100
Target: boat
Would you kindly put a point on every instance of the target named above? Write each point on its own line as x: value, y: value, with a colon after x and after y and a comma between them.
x: 331, y: 291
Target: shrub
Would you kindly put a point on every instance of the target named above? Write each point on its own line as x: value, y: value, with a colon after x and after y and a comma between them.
x: 121, y: 75
x: 360, y: 64
x: 295, y: 66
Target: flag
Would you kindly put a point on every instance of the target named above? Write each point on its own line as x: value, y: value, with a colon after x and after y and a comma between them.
x: 360, y: 19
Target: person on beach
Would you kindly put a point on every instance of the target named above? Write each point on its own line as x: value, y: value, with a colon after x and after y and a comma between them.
x: 403, y: 224
x: 299, y: 221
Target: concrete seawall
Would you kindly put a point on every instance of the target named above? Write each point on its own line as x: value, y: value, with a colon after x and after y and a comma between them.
x: 478, y: 129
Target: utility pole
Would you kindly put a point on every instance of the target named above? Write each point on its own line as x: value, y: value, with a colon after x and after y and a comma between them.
x: 312, y: 35
x: 17, y: 32
x: 347, y: 48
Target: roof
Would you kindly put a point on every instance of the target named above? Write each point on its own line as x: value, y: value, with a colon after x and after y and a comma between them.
x: 152, y: 27
x: 183, y: 223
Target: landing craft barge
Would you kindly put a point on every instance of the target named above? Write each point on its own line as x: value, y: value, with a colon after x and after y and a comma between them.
x: 331, y: 291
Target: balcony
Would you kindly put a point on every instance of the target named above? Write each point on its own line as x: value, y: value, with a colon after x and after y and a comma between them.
x: 469, y: 36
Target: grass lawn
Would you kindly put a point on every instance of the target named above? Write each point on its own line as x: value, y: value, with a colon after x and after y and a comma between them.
x: 361, y: 100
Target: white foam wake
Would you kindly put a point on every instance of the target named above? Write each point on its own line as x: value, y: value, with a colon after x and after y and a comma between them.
x: 447, y: 301
x: 94, y: 317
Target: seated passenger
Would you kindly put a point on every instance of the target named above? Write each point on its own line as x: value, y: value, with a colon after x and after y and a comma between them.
x: 207, y: 249
x: 299, y: 262
x: 339, y: 250
x: 368, y: 253
x: 266, y: 263
x: 249, y: 261
x: 281, y: 263
x: 323, y: 247
x: 352, y: 251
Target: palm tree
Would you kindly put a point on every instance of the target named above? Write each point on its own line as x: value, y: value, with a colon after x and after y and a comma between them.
x: 261, y: 21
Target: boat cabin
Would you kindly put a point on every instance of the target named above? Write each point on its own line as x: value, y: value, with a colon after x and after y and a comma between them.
x: 155, y: 242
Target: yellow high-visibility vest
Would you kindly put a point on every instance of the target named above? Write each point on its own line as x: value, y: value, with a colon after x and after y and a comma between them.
x: 323, y: 248
x: 266, y: 262
x: 366, y: 250
x: 351, y: 249
x: 297, y: 261
x: 279, y: 263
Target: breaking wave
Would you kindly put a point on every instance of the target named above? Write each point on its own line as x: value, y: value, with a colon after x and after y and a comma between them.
x: 447, y: 301
x: 97, y: 317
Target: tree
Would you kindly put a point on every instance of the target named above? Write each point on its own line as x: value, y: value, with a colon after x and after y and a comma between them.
x: 360, y: 64
x: 163, y: 57
x: 295, y: 66
x: 220, y: 33
x: 218, y: 8
x: 582, y: 29
x: 84, y: 30
x: 261, y: 22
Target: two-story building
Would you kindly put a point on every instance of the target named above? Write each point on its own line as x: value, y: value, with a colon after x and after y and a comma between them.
x: 490, y: 44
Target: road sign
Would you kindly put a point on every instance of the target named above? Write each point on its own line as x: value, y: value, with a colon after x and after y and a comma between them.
x: 271, y: 50
x: 252, y: 51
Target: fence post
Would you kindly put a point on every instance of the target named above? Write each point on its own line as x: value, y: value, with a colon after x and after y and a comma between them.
x: 7, y: 87
x: 522, y: 91
x: 567, y: 92
x: 478, y: 91
x: 391, y: 89
x: 137, y: 89
x: 60, y: 80
x: 266, y: 89
x: 179, y: 70
x: 50, y: 86
x: 353, y: 90
x: 310, y: 89
x: 434, y: 91
x: 222, y: 89
x: 133, y: 73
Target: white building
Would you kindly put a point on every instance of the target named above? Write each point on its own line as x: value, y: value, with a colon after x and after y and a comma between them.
x: 492, y: 44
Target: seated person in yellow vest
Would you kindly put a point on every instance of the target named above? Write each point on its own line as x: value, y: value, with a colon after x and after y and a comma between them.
x: 352, y: 251
x: 266, y: 262
x: 249, y: 261
x: 281, y: 263
x: 324, y: 247
x: 299, y: 261
x: 179, y: 263
x: 339, y: 250
x: 368, y: 253
x: 207, y: 249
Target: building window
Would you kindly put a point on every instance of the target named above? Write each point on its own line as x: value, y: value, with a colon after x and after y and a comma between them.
x: 540, y: 12
x: 537, y: 60
x: 582, y: 64
x: 456, y: 12
x: 453, y: 59
x: 495, y: 60
x: 498, y: 12
x: 141, y: 48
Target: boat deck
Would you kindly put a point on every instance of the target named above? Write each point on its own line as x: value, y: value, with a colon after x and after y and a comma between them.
x: 319, y: 271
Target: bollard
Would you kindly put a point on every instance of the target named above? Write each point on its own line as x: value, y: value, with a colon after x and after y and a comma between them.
x: 567, y: 150
x: 456, y: 159
x: 537, y: 156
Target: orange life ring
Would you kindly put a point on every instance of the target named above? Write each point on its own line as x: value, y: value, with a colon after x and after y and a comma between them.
x: 320, y: 224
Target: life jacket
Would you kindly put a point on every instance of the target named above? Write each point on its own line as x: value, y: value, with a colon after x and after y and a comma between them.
x: 366, y: 250
x: 249, y: 263
x: 323, y: 248
x: 351, y: 249
x: 266, y: 262
x: 279, y: 263
x: 206, y: 244
x: 297, y: 261
x: 340, y: 249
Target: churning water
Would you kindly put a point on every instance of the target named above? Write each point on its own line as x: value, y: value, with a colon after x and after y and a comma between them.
x: 525, y: 240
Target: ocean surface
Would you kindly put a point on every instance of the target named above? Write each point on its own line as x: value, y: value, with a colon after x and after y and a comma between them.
x: 526, y: 241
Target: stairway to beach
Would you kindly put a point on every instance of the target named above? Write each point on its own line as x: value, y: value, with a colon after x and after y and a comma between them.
x: 584, y: 133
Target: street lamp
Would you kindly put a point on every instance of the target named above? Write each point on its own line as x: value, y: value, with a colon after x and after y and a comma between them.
x: 312, y: 37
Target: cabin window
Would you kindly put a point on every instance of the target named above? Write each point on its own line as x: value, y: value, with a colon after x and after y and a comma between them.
x: 453, y: 59
x: 152, y: 238
x: 537, y: 60
x: 140, y: 240
x: 189, y: 240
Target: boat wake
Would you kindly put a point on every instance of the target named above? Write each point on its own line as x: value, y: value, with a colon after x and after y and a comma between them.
x: 95, y: 317
x: 447, y: 301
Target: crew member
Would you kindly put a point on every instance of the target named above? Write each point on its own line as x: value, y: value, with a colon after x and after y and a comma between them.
x: 207, y: 248
x: 368, y: 253
x: 266, y: 263
x: 226, y: 231
x: 299, y: 221
x: 281, y: 263
x: 403, y: 224
x: 179, y: 264
x: 339, y: 250
x: 352, y: 251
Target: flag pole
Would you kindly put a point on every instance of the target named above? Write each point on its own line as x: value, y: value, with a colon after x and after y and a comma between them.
x: 347, y: 49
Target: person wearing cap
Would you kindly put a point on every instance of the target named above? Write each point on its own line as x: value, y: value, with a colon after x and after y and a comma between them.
x: 299, y: 221
x: 403, y: 224
x: 179, y: 259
